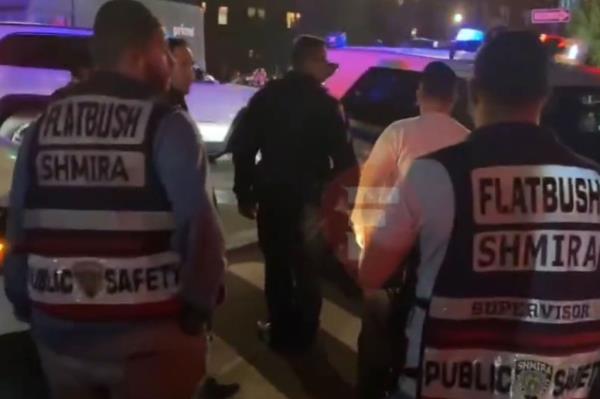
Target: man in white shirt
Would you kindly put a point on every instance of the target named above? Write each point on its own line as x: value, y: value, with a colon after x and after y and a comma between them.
x: 396, y: 149
x: 404, y: 141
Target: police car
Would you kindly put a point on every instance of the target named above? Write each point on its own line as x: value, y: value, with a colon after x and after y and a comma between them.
x: 381, y: 88
x: 36, y: 60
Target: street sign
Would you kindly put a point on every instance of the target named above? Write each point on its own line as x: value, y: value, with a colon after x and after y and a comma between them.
x: 550, y: 16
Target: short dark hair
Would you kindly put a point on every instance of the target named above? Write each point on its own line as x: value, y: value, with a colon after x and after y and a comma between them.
x: 439, y: 81
x: 304, y: 47
x: 512, y: 69
x: 176, y: 42
x: 121, y: 25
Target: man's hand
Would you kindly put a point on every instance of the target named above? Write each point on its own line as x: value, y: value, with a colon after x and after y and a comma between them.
x: 193, y: 321
x: 247, y: 210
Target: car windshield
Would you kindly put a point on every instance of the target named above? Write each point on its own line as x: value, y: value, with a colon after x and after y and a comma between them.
x: 46, y: 51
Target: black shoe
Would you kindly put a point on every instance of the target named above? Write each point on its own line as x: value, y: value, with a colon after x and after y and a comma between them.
x: 213, y: 390
x: 282, y: 344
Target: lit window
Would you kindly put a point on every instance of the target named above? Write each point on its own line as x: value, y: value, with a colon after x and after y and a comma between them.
x: 251, y: 12
x: 262, y: 13
x: 222, y: 18
x: 291, y: 19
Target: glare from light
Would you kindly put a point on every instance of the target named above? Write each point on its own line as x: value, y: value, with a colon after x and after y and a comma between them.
x: 458, y: 18
x: 213, y: 132
x: 468, y: 35
x: 436, y: 44
x: 414, y: 32
x: 573, y: 52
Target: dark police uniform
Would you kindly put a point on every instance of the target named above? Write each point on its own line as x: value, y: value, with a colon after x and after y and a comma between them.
x: 300, y: 133
x: 507, y: 305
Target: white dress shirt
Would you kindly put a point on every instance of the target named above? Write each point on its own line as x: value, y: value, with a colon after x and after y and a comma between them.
x: 396, y: 149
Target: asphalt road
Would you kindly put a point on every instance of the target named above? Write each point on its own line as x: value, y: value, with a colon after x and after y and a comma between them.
x: 236, y: 355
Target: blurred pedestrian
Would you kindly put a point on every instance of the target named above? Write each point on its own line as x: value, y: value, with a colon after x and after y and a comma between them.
x: 117, y: 255
x: 394, y: 152
x: 183, y: 74
x: 182, y: 78
x: 503, y: 229
x: 300, y: 133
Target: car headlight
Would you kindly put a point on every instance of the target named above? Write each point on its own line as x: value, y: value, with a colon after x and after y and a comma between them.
x: 213, y: 132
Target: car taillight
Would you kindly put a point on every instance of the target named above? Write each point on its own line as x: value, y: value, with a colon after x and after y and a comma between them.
x: 3, y: 250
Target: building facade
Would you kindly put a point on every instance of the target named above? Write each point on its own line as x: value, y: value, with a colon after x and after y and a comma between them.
x: 243, y: 35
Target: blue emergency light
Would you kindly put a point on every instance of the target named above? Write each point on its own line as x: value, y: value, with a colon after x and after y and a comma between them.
x: 470, y: 35
x: 337, y: 40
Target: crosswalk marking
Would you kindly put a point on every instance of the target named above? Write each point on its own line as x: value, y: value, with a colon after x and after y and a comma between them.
x: 335, y: 320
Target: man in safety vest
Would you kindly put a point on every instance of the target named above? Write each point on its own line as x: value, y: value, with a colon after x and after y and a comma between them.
x: 504, y: 301
x: 116, y: 252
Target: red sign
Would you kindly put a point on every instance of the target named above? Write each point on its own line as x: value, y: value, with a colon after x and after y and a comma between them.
x: 550, y: 16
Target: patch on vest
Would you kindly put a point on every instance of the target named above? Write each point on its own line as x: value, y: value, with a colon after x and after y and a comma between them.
x: 474, y: 373
x: 95, y: 120
x: 89, y: 276
x: 532, y: 378
x: 89, y: 168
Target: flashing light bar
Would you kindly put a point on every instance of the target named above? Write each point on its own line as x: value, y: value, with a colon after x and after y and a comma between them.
x: 470, y: 35
x: 337, y: 40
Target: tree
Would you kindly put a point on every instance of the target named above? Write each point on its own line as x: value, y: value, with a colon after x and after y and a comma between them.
x: 585, y: 25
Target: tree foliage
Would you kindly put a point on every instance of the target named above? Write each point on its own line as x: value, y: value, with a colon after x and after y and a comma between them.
x: 585, y: 25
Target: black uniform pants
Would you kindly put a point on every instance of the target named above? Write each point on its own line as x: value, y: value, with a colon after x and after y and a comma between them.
x: 375, y: 349
x: 288, y: 235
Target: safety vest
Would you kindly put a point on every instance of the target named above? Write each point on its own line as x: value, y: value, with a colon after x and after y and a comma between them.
x: 513, y: 311
x: 98, y: 224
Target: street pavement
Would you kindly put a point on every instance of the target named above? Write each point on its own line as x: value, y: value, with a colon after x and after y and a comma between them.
x: 236, y: 354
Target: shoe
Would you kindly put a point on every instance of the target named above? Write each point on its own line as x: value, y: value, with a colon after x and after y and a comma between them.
x: 279, y: 344
x: 213, y: 390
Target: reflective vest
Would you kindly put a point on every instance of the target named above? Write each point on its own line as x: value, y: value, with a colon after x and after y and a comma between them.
x: 513, y: 311
x: 98, y: 224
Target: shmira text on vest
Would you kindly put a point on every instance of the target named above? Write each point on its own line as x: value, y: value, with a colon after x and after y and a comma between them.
x: 540, y: 250
x: 96, y: 120
x: 88, y: 167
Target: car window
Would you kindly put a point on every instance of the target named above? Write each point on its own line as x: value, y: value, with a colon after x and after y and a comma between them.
x: 45, y: 51
x: 384, y: 95
x: 574, y: 115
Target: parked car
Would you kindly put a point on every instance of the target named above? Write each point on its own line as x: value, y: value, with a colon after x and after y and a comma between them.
x: 387, y: 92
x: 36, y: 60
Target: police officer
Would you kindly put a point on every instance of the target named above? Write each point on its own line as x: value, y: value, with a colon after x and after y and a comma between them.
x: 507, y: 226
x: 300, y: 133
x: 116, y: 252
